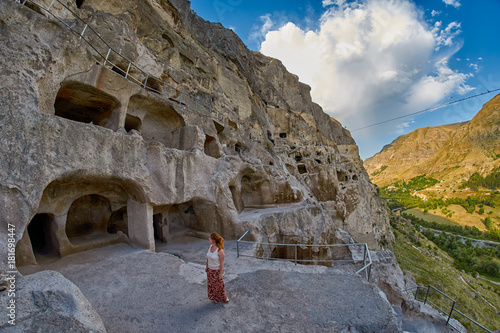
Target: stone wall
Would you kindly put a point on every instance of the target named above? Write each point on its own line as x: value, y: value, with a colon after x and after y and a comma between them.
x: 90, y: 157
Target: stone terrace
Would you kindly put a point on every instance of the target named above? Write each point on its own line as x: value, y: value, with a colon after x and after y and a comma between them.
x: 135, y: 290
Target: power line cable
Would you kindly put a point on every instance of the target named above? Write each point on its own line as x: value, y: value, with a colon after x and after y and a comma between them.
x: 428, y: 109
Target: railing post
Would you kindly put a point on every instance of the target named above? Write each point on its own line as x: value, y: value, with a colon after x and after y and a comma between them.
x: 237, y: 249
x: 295, y: 254
x: 146, y: 81
x: 48, y: 8
x: 83, y: 31
x: 165, y: 89
x: 180, y: 99
x: 427, y: 294
x: 449, y: 316
x: 128, y: 69
x: 364, y: 254
x: 107, y: 56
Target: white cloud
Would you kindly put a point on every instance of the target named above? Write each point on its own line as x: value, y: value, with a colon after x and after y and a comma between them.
x: 474, y: 66
x: 339, y: 3
x: 435, y: 13
x: 454, y: 3
x: 259, y: 32
x: 446, y: 36
x: 371, y: 60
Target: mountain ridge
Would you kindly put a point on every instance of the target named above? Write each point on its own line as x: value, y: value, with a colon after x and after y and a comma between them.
x: 450, y: 153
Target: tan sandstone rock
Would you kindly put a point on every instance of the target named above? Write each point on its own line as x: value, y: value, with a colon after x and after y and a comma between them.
x: 177, y: 127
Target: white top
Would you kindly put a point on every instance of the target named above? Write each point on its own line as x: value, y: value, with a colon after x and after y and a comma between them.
x: 213, y: 258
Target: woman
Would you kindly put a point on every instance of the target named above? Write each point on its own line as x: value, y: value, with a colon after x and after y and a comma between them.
x: 215, y: 269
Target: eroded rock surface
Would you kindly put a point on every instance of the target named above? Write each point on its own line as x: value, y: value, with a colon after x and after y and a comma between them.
x: 48, y: 302
x: 196, y: 132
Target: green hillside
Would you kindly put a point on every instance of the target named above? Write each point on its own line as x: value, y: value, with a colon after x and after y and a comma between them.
x: 478, y: 298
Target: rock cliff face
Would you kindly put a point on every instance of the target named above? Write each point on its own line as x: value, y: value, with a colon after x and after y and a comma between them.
x: 164, y: 122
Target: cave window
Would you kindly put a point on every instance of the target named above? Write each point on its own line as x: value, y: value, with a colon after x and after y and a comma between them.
x: 283, y: 135
x: 354, y: 177
x: 119, y: 70
x: 79, y: 3
x: 211, y: 148
x: 159, y: 121
x: 301, y: 168
x: 84, y: 104
x: 132, y: 123
x: 318, y: 161
x: 190, y: 210
x: 341, y: 176
x: 232, y: 124
x: 298, y: 158
x: 153, y: 85
x: 237, y: 148
x: 271, y: 163
x: 39, y: 232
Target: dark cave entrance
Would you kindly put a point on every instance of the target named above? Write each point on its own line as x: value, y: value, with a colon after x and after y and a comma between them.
x: 157, y: 228
x: 40, y: 234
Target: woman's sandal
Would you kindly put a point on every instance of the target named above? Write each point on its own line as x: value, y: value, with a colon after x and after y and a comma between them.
x: 215, y: 302
x: 227, y: 300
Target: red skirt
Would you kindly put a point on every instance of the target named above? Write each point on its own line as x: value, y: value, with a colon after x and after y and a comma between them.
x: 216, y: 290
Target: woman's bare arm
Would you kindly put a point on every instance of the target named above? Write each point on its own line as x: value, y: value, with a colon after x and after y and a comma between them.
x: 221, y: 259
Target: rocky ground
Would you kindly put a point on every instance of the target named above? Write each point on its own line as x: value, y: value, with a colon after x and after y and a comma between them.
x: 134, y: 290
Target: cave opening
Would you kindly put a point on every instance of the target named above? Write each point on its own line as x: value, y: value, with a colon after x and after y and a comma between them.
x: 342, y: 176
x: 211, y: 148
x: 118, y: 221
x: 157, y: 228
x: 132, y: 123
x: 40, y: 235
x: 302, y: 168
x: 87, y: 215
x: 85, y: 104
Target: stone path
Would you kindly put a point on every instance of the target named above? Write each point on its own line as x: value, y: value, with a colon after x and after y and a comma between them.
x: 135, y: 290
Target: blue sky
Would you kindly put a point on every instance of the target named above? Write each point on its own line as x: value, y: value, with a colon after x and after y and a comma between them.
x: 368, y: 61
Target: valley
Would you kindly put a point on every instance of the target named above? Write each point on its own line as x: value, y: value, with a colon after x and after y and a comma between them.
x: 443, y: 186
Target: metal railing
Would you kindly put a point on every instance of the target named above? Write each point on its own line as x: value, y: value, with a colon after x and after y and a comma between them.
x: 114, y: 60
x: 366, y: 260
x: 439, y: 301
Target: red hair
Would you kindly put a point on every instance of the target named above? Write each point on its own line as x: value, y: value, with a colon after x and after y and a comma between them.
x: 219, y: 241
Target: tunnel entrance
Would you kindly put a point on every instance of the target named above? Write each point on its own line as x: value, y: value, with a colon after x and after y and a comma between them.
x: 157, y: 228
x: 40, y: 234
